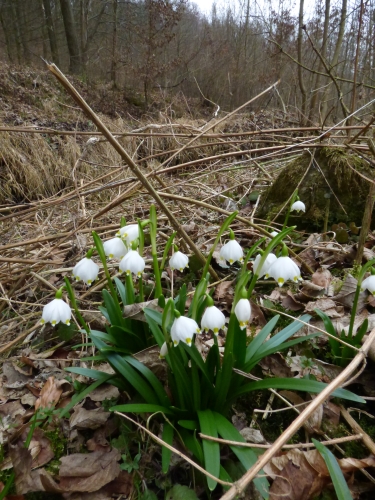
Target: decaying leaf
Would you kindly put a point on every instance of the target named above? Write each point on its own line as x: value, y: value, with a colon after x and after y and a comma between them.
x: 135, y: 311
x: 326, y: 305
x: 50, y: 394
x: 88, y: 419
x: 290, y: 302
x: 322, y: 277
x: 347, y: 292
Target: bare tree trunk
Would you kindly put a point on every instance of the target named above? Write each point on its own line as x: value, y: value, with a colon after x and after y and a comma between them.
x: 46, y: 5
x: 300, y: 75
x: 114, y: 45
x: 323, y: 51
x: 336, y: 54
x: 71, y: 37
x: 20, y: 14
x: 6, y: 35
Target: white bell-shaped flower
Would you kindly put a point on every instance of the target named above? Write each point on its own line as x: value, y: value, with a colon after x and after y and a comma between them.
x: 86, y: 270
x: 270, y: 259
x: 129, y: 233
x: 115, y: 248
x: 213, y: 319
x: 179, y: 261
x: 298, y: 206
x: 132, y: 263
x: 243, y: 312
x: 274, y: 233
x: 55, y: 312
x: 232, y: 250
x: 163, y: 351
x: 183, y: 329
x: 284, y: 269
x: 369, y: 284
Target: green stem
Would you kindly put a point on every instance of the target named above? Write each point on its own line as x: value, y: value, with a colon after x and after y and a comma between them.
x: 73, y: 301
x: 290, y: 206
x: 141, y: 294
x: 154, y: 253
x: 356, y: 296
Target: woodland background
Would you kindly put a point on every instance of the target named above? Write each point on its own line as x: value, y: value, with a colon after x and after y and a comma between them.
x: 323, y: 51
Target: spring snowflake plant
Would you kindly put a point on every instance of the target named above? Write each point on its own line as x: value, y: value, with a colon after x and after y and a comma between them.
x: 201, y: 389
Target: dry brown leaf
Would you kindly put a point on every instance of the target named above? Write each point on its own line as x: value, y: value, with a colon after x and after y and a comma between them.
x: 88, y: 419
x: 257, y: 315
x: 347, y: 292
x: 290, y: 302
x: 224, y: 291
x: 105, y: 391
x: 40, y: 448
x: 322, y: 277
x: 14, y: 378
x: 88, y: 472
x: 326, y: 305
x: 314, y: 422
x: 50, y: 394
x: 135, y: 311
x: 276, y: 364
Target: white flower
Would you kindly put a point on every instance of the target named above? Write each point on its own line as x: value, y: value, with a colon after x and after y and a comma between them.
x: 163, y: 351
x: 183, y: 329
x: 369, y: 284
x: 298, y: 206
x: 132, y: 263
x: 179, y: 261
x: 270, y: 259
x: 274, y: 233
x: 284, y: 269
x: 55, y: 311
x: 129, y: 233
x: 86, y: 270
x: 222, y: 262
x: 213, y: 319
x: 243, y: 312
x: 231, y: 252
x: 115, y: 248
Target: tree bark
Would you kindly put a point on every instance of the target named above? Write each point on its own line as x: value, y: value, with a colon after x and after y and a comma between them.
x: 300, y: 75
x: 46, y: 5
x: 71, y: 37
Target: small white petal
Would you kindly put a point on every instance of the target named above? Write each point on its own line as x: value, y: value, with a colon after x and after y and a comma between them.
x: 270, y: 259
x: 183, y: 329
x: 213, y: 319
x: 284, y: 269
x: 163, y: 351
x: 274, y: 233
x: 369, y: 284
x: 132, y: 263
x: 179, y: 261
x: 55, y: 311
x: 86, y: 270
x: 231, y: 252
x: 115, y: 248
x: 243, y: 312
x: 298, y: 206
x: 129, y: 233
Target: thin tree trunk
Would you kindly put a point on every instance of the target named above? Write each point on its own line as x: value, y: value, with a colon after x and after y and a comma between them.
x: 314, y: 99
x: 114, y: 46
x: 336, y: 54
x: 20, y: 13
x: 71, y: 37
x: 51, y: 31
x: 300, y: 75
x: 6, y: 35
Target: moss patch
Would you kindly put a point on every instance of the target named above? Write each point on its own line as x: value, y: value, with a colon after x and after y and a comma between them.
x: 331, y: 178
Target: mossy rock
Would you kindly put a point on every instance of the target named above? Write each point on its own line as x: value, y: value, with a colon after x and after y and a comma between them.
x: 330, y: 179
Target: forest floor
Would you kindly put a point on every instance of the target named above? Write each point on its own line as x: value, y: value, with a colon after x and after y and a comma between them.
x: 61, y: 179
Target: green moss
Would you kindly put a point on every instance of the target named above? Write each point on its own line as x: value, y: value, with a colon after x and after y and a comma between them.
x: 330, y: 177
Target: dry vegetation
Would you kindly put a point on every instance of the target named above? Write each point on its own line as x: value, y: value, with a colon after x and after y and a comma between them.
x: 60, y: 180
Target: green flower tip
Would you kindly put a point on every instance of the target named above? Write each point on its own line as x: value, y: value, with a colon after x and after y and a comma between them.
x: 231, y: 234
x: 135, y: 244
x: 285, y: 252
x: 372, y: 270
x: 90, y: 253
x: 209, y: 301
x: 177, y: 313
x: 243, y: 293
x: 58, y: 294
x: 122, y: 222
